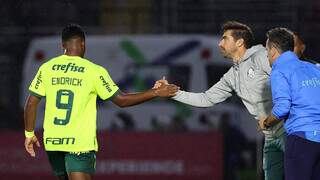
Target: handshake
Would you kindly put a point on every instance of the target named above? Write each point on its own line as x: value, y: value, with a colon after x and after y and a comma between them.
x: 163, y: 89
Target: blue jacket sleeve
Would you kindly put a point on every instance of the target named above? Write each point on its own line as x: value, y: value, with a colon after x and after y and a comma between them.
x: 281, y: 95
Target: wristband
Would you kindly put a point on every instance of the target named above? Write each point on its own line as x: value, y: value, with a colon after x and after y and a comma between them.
x: 29, y: 134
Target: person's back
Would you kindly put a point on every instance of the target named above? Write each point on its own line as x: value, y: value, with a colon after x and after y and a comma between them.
x: 71, y: 85
x: 307, y: 98
x: 304, y: 81
x: 295, y: 87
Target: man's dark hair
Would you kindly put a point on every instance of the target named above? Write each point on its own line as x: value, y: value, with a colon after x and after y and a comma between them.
x: 239, y: 31
x: 281, y: 38
x: 71, y: 31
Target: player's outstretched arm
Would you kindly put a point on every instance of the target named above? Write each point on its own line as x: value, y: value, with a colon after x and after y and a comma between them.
x: 130, y: 99
x: 30, y: 112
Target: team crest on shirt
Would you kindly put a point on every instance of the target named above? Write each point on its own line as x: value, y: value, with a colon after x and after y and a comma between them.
x: 250, y: 72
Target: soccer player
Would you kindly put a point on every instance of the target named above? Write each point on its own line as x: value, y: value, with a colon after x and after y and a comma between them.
x: 295, y: 89
x: 249, y: 78
x: 70, y: 85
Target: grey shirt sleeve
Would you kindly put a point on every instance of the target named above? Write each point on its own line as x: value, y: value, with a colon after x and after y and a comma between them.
x: 217, y: 93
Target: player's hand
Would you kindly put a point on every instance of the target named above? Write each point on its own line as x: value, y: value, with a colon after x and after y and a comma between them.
x: 28, y: 144
x: 159, y: 82
x: 167, y: 90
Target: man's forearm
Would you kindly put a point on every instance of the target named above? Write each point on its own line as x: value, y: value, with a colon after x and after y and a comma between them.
x: 193, y: 99
x: 29, y: 119
x: 30, y: 112
x: 130, y: 99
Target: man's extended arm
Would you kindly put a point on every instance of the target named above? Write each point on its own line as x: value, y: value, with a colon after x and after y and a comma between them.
x: 217, y: 93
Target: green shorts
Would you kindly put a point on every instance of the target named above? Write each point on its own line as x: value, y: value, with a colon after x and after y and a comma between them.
x: 66, y: 162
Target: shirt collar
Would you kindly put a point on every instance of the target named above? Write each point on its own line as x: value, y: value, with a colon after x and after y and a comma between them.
x: 285, y: 58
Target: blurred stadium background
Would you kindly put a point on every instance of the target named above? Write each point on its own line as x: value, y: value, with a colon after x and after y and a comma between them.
x: 138, y: 41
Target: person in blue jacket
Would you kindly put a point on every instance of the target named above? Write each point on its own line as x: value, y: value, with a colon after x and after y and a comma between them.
x: 295, y: 87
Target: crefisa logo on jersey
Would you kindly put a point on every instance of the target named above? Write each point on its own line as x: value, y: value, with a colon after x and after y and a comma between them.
x: 70, y: 66
x: 39, y: 80
x: 105, y: 84
x: 250, y: 72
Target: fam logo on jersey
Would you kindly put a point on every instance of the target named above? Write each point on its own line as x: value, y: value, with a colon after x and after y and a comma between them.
x: 60, y: 141
x: 250, y: 72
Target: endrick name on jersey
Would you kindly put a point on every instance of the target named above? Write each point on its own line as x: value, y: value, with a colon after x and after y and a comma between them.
x: 66, y: 81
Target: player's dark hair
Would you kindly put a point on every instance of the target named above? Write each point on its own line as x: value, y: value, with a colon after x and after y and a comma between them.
x: 281, y: 38
x: 239, y: 31
x: 71, y: 31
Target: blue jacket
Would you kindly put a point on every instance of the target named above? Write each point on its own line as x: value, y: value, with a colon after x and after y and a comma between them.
x: 295, y: 87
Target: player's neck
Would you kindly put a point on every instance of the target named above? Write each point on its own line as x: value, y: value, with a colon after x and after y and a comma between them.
x: 72, y: 53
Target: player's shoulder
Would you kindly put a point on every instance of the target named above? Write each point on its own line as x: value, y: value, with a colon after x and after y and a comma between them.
x: 97, y: 67
x: 87, y: 62
x: 53, y: 60
x: 47, y: 63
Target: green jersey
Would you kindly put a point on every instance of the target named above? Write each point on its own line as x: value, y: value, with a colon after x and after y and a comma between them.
x: 71, y: 85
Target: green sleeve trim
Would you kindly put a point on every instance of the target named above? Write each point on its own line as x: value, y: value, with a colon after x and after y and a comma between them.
x: 35, y: 94
x: 114, y: 94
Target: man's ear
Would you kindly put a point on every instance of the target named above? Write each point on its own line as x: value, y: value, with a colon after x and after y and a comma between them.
x: 274, y: 52
x: 239, y: 42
